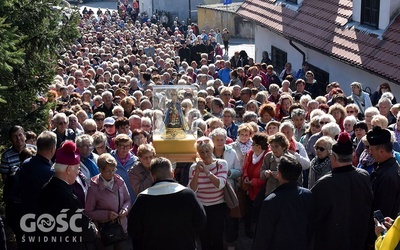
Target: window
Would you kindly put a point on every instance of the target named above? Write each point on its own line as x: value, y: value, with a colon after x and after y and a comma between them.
x: 320, y: 75
x: 292, y: 1
x: 370, y: 12
x: 279, y: 59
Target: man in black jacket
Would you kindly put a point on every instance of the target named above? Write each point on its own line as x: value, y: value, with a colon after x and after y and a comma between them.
x: 163, y: 210
x: 343, y: 200
x: 285, y: 217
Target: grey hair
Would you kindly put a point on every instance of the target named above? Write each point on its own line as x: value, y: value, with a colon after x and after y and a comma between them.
x: 83, y: 138
x: 331, y: 128
x: 288, y: 125
x: 328, y: 143
x: 298, y: 112
x: 218, y: 132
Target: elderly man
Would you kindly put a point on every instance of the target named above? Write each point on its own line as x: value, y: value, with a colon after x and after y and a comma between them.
x: 338, y: 226
x: 384, y: 177
x: 135, y: 122
x: 37, y: 171
x: 181, y: 208
x: 107, y: 106
x: 60, y: 122
x: 384, y: 106
x: 89, y: 126
x: 57, y: 197
x: 10, y: 158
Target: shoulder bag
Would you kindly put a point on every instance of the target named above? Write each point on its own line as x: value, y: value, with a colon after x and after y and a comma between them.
x: 229, y: 194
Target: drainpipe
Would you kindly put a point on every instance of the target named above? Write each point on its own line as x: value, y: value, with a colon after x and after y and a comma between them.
x: 298, y: 49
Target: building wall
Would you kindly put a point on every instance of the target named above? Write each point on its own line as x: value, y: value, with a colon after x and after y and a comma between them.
x: 219, y: 18
x: 338, y: 71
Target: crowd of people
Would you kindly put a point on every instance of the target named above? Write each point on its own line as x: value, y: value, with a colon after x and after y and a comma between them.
x: 308, y: 162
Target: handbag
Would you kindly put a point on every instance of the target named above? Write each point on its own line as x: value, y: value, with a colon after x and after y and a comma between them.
x: 229, y: 194
x: 112, y: 232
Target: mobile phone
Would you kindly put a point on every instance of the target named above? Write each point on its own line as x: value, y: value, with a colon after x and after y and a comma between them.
x: 379, y: 216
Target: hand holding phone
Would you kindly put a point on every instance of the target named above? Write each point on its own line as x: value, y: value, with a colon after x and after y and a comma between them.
x: 379, y: 217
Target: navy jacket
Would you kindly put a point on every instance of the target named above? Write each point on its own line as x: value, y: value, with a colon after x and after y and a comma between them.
x: 285, y: 219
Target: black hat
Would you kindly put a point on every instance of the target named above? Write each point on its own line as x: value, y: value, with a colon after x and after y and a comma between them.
x: 378, y: 136
x: 343, y: 145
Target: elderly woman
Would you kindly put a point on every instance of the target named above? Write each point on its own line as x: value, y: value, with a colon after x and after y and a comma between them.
x: 125, y: 159
x: 266, y: 113
x: 321, y: 164
x: 207, y: 179
x: 252, y: 105
x: 313, y: 128
x: 279, y: 145
x: 330, y: 129
x: 383, y: 88
x: 88, y: 163
x: 108, y: 199
x: 225, y: 95
x: 274, y: 90
x: 296, y: 148
x: 369, y: 114
x: 366, y: 161
x: 352, y: 109
x: 251, y: 176
x: 228, y: 116
x: 298, y: 118
x: 226, y: 152
x: 118, y: 111
x: 74, y: 124
x: 339, y: 113
x: 348, y: 124
x: 360, y: 97
x: 272, y: 127
x: 99, y: 143
x: 139, y: 137
x: 396, y: 128
x: 139, y: 175
x: 242, y: 145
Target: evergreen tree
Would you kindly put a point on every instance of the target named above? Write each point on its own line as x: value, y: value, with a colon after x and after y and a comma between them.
x: 33, y: 36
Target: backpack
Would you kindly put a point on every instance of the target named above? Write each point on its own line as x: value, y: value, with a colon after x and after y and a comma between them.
x: 12, y: 191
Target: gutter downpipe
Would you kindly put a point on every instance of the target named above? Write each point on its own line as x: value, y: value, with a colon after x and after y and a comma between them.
x: 298, y: 49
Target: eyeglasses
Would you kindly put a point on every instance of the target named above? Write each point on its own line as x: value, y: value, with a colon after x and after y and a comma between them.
x: 146, y: 125
x: 319, y: 148
x: 62, y: 123
x: 122, y: 82
x: 99, y: 119
x: 315, y: 125
x: 227, y: 116
x: 323, y: 123
x: 350, y: 111
x: 91, y: 131
x: 108, y: 126
x: 226, y: 94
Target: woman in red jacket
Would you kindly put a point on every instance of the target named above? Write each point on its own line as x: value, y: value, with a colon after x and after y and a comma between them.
x: 251, y: 175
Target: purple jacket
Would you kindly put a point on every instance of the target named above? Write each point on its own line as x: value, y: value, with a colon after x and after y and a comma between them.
x: 100, y: 200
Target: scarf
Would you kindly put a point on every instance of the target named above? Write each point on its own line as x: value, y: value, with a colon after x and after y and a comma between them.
x: 245, y: 147
x: 319, y: 165
x: 257, y: 158
x: 397, y: 133
x: 359, y: 100
x: 292, y: 145
x: 91, y: 165
x: 108, y: 184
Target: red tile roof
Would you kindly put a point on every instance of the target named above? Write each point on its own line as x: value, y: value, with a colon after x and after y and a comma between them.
x: 320, y: 24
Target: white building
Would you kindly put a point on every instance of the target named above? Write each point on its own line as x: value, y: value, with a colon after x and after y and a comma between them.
x: 343, y: 40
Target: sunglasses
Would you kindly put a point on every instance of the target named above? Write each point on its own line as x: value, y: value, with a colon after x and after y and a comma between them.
x: 319, y: 148
x: 91, y: 131
x: 351, y: 112
x: 323, y: 123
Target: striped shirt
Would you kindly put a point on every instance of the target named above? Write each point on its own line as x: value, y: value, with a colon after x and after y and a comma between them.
x: 206, y: 192
x: 10, y: 160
